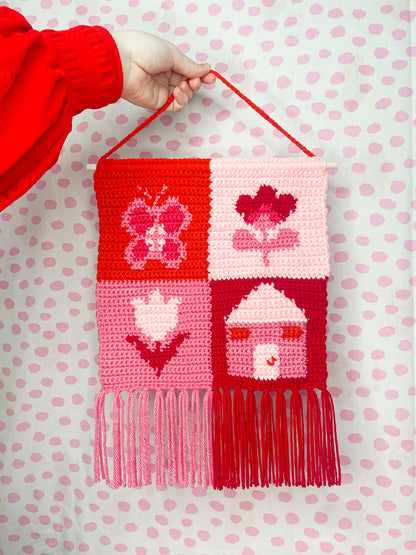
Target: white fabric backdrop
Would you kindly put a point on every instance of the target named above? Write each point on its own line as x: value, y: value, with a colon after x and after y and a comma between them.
x: 337, y: 75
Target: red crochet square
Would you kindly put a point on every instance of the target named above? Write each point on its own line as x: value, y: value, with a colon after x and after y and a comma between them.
x: 288, y: 315
x: 153, y: 220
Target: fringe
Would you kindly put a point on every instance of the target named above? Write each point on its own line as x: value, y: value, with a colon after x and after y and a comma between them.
x: 181, y: 441
x: 282, y: 442
x: 220, y: 438
x: 274, y: 442
x: 331, y: 462
x: 207, y: 443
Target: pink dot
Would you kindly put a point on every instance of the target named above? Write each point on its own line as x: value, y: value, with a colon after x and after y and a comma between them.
x: 269, y: 518
x: 347, y: 415
x: 292, y: 518
x: 337, y: 32
x: 358, y: 168
x: 380, y: 444
x: 353, y: 375
x: 292, y: 111
x: 341, y: 257
x: 383, y: 103
x: 232, y: 538
x: 376, y: 220
x: 316, y: 9
x: 326, y: 547
x: 246, y: 505
x: 152, y: 532
x: 346, y: 58
x: 321, y: 518
x: 326, y: 134
x: 216, y: 44
x: 354, y: 505
x: 283, y: 82
x: 303, y: 59
x: 190, y: 509
x: 387, y: 167
x: 400, y: 117
x: 362, y: 391
x: 370, y: 414
x: 303, y: 95
x: 148, y: 16
x: 355, y: 438
x: 173, y: 145
x: 301, y: 546
x: 410, y: 245
x: 312, y: 77
x: 311, y: 33
x: 217, y: 506
x: 174, y: 533
x: 349, y: 283
x: 401, y: 414
x: 291, y: 40
x: 234, y: 150
x: 196, y: 141
x: 405, y: 345
x: 406, y: 92
x: 144, y: 505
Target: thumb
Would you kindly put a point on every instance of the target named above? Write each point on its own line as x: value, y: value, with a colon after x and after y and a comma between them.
x: 187, y: 67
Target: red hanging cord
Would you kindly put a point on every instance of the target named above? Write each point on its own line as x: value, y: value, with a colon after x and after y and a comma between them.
x: 256, y: 108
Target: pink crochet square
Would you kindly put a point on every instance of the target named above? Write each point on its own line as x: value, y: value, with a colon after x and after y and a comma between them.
x: 268, y: 218
x: 154, y: 334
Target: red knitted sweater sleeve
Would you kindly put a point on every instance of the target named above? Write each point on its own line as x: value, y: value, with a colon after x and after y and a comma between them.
x: 46, y: 77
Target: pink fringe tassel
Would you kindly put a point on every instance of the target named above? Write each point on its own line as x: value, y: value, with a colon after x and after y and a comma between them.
x: 182, y: 438
x: 119, y: 460
x: 131, y: 442
x: 144, y: 438
x: 207, y: 463
x: 159, y: 420
x: 172, y: 421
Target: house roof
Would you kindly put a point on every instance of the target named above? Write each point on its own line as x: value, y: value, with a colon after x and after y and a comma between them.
x: 265, y: 304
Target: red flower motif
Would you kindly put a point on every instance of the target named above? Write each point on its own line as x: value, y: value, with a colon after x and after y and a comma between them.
x: 264, y: 213
x: 156, y: 229
x: 265, y: 210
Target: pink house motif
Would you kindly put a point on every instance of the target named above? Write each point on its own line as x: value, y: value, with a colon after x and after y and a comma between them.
x: 266, y: 336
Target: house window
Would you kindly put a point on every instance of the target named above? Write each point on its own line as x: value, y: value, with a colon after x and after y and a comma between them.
x: 292, y: 333
x: 239, y: 334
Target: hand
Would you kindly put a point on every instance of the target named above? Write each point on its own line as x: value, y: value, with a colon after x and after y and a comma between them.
x: 154, y: 68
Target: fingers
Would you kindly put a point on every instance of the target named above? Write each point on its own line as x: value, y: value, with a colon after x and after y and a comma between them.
x: 183, y: 94
x: 209, y: 79
x: 184, y: 91
x: 187, y: 67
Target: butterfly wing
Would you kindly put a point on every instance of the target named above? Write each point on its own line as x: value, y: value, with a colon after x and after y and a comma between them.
x: 174, y: 216
x: 139, y: 217
x: 137, y: 253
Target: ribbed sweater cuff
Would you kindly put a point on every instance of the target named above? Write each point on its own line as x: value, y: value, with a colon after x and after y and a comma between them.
x: 91, y: 62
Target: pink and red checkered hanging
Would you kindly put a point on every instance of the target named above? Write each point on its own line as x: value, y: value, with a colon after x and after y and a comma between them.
x: 211, y: 309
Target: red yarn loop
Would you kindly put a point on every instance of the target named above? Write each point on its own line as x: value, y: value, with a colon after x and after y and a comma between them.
x: 252, y: 105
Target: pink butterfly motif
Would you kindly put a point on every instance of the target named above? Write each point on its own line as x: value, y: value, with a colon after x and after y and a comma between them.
x: 156, y: 229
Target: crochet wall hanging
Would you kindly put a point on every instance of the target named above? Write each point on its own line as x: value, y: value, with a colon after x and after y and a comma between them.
x: 211, y: 310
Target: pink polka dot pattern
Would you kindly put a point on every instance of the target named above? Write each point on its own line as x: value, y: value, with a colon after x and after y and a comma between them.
x: 339, y: 78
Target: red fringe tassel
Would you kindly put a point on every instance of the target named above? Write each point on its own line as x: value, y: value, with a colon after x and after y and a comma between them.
x: 269, y: 443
